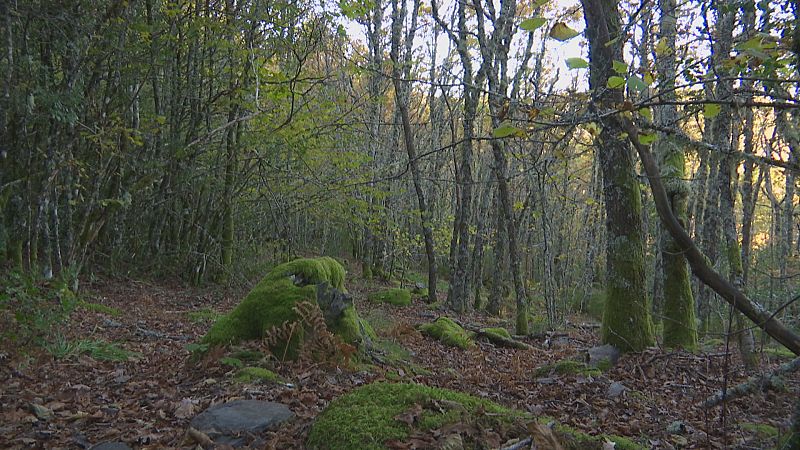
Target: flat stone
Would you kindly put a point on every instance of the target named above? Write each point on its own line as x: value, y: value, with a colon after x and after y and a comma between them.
x: 226, y: 422
x: 111, y: 446
x: 616, y: 389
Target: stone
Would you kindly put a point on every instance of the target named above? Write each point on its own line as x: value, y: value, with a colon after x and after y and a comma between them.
x: 111, y: 446
x: 225, y: 423
x: 603, y: 357
x: 616, y: 389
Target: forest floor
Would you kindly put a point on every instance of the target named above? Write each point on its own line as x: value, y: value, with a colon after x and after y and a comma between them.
x: 147, y: 398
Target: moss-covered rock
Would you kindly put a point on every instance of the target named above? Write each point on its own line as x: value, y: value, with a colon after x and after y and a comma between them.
x: 393, y: 296
x: 256, y: 374
x: 498, y: 331
x: 568, y: 367
x: 273, y: 301
x: 447, y: 331
x: 365, y: 418
x: 372, y: 416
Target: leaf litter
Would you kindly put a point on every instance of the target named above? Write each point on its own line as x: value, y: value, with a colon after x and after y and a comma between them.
x: 148, y: 400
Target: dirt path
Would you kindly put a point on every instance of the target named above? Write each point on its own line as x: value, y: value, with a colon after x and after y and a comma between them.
x: 148, y: 399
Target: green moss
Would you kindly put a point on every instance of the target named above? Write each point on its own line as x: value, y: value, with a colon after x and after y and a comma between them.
x: 97, y: 307
x: 680, y: 327
x: 247, y: 355
x: 573, y: 439
x: 203, y: 315
x: 256, y: 374
x: 626, y: 320
x: 393, y: 296
x: 233, y: 362
x: 568, y: 367
x: 365, y: 417
x: 604, y: 365
x: 271, y: 302
x: 499, y: 331
x: 780, y: 353
x: 350, y: 327
x: 447, y: 331
x: 763, y: 430
x: 311, y: 270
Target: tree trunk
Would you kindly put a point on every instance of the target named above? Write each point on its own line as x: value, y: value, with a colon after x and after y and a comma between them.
x: 626, y: 321
x: 680, y: 329
x: 401, y: 70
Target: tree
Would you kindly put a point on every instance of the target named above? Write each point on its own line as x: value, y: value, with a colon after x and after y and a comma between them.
x: 626, y: 321
x: 400, y: 74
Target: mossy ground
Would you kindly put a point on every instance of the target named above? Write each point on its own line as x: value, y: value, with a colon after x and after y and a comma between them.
x: 447, y: 331
x: 393, y: 296
x: 573, y: 439
x: 365, y: 418
x: 271, y: 303
x: 256, y: 374
x: 498, y: 331
x: 568, y: 367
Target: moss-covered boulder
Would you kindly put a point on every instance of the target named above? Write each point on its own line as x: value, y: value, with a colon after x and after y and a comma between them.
x: 273, y: 304
x: 393, y: 296
x: 568, y: 367
x: 447, y: 331
x: 372, y: 415
x: 384, y: 415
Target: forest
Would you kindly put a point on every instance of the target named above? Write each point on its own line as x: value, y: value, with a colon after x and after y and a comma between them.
x: 400, y: 224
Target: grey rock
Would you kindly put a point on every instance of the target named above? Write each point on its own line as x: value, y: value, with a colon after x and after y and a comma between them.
x: 616, y: 389
x: 225, y: 423
x: 596, y: 355
x: 332, y: 302
x: 111, y: 446
x: 677, y: 427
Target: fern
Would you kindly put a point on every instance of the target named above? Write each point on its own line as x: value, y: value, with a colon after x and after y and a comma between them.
x: 318, y: 343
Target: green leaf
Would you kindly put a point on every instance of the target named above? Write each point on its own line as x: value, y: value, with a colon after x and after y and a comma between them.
x: 646, y: 113
x: 636, y: 84
x: 752, y: 44
x: 577, y: 63
x: 506, y: 129
x: 533, y: 23
x: 619, y: 67
x: 561, y: 32
x: 711, y: 110
x: 615, y: 82
x: 662, y: 48
x: 648, y: 138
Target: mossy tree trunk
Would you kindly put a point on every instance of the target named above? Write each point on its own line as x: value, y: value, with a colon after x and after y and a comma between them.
x: 626, y: 321
x: 680, y: 329
x: 472, y: 82
x: 723, y: 137
x: 401, y: 70
x: 494, y: 50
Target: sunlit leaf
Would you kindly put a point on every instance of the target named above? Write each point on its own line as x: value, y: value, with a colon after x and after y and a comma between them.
x: 648, y: 78
x: 636, y: 84
x: 615, y: 82
x: 533, y: 23
x: 619, y: 67
x: 711, y: 110
x: 646, y: 113
x: 577, y: 63
x: 648, y: 138
x: 561, y: 32
x: 662, y: 48
x: 506, y: 129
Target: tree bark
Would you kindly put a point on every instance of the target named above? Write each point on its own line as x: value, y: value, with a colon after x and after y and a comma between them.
x: 400, y: 72
x: 626, y: 321
x: 698, y: 262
